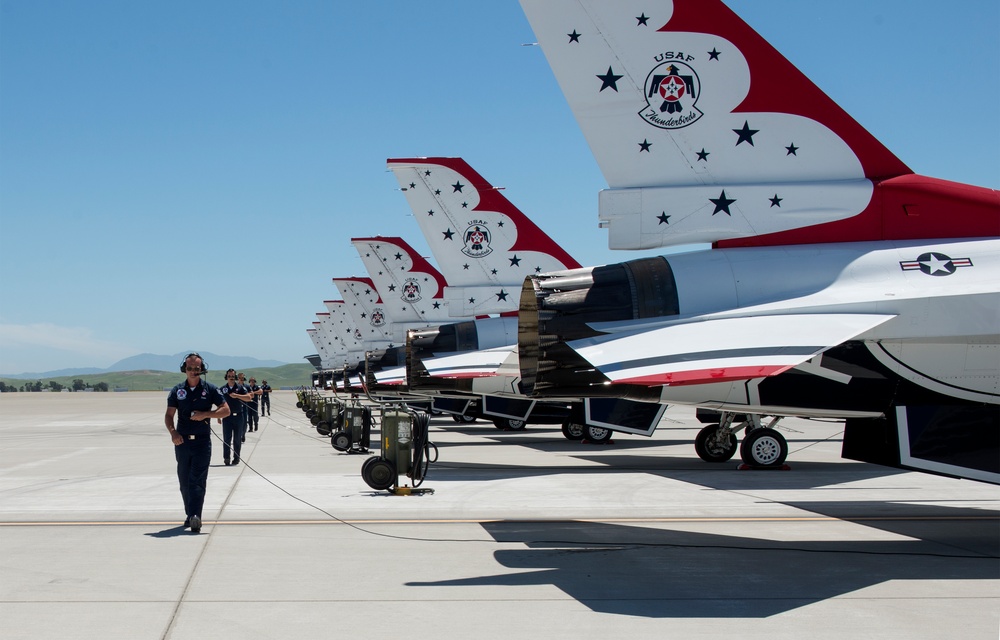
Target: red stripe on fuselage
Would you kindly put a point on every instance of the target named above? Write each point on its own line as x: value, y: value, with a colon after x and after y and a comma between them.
x: 462, y: 376
x: 706, y: 376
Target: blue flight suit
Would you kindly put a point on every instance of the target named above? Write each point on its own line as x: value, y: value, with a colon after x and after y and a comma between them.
x: 244, y: 409
x: 194, y: 454
x: 233, y: 425
x: 253, y: 419
x: 265, y: 400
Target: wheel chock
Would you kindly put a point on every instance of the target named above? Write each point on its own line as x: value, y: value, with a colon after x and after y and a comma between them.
x: 753, y: 467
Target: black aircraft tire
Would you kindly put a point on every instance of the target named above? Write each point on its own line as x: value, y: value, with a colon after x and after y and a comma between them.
x: 510, y: 424
x: 764, y: 448
x: 573, y: 430
x: 709, y: 449
x: 598, y: 435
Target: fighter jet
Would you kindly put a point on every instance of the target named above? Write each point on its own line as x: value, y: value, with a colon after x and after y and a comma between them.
x: 485, y: 246
x: 839, y: 283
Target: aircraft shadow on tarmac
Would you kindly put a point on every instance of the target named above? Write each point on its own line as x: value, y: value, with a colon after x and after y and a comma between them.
x: 721, y: 476
x: 663, y: 573
x: 626, y: 455
x: 727, y: 476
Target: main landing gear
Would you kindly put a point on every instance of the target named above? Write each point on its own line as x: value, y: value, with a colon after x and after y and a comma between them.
x: 509, y: 424
x: 763, y: 446
x: 595, y: 435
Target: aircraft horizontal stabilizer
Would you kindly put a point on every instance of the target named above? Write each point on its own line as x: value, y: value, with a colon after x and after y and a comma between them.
x: 720, y: 350
x: 470, y: 364
x: 394, y: 376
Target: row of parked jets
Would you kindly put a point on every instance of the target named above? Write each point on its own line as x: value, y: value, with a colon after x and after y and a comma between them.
x: 839, y: 284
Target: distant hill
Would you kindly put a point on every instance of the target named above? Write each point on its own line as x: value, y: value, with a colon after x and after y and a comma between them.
x: 153, y: 362
x: 172, y: 363
x: 52, y: 374
x: 288, y: 375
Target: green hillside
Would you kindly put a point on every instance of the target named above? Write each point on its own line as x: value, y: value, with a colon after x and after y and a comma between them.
x: 289, y: 375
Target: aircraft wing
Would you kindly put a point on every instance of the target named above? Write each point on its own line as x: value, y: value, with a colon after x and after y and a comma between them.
x: 470, y: 364
x: 720, y: 350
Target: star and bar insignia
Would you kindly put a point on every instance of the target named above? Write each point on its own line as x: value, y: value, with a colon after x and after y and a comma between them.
x: 936, y: 264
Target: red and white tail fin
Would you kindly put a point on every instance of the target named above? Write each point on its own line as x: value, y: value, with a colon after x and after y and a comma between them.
x: 329, y: 348
x: 411, y: 289
x: 317, y: 341
x: 705, y: 133
x: 340, y: 327
x: 484, y: 245
x: 362, y: 302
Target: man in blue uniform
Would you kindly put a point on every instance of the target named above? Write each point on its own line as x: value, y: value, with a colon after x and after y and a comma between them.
x: 245, y: 406
x: 253, y: 420
x: 265, y: 399
x: 195, y: 402
x: 233, y: 425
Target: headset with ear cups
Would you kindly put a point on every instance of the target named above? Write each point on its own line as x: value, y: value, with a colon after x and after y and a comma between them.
x: 204, y: 365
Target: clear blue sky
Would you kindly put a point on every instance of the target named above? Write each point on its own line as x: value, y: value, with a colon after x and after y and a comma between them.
x: 187, y: 175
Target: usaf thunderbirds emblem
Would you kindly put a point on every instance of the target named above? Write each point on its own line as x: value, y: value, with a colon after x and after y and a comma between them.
x: 935, y: 264
x: 672, y: 89
x: 477, y: 240
x: 411, y: 290
x: 378, y: 318
x: 357, y: 334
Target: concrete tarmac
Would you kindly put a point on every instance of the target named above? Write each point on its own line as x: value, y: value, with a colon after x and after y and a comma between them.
x: 527, y: 535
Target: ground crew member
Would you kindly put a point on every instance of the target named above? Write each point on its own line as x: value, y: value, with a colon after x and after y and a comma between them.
x: 241, y: 380
x: 265, y: 398
x: 232, y: 426
x: 195, y: 402
x: 253, y: 420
